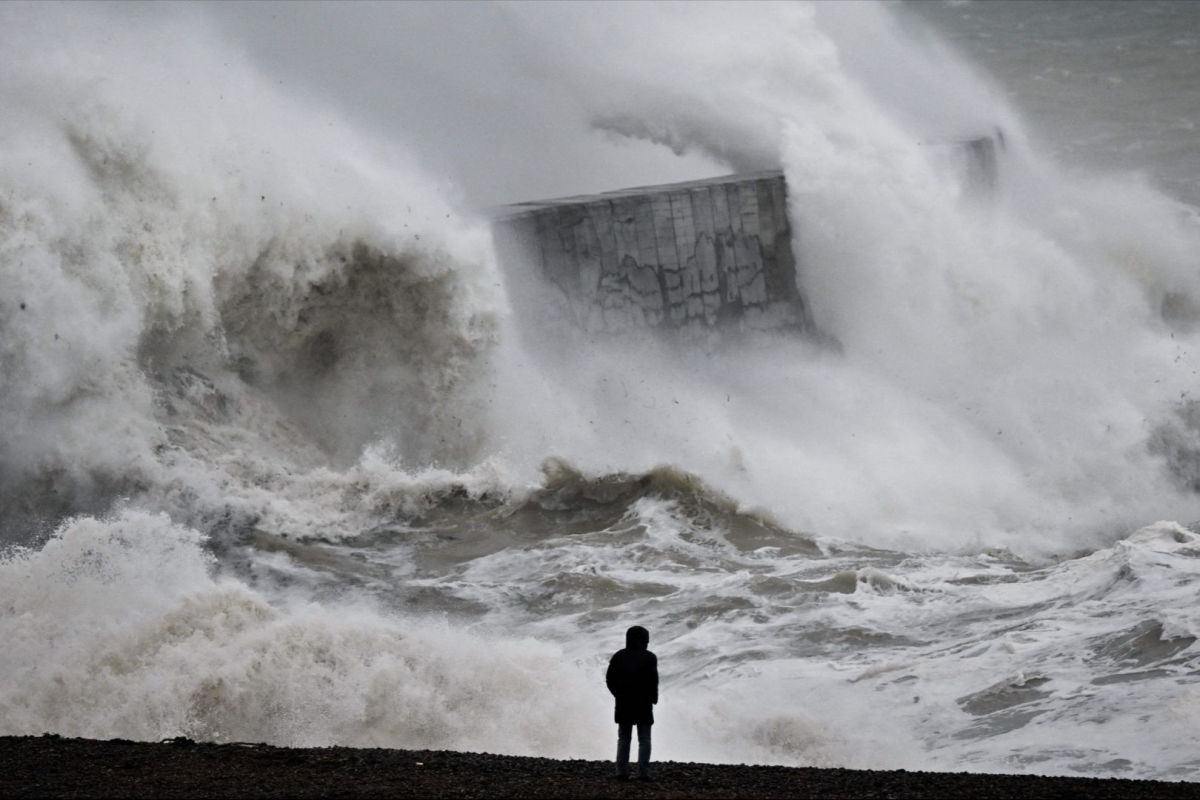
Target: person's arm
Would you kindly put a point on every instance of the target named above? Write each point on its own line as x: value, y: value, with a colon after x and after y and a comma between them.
x: 611, y: 677
x: 654, y: 683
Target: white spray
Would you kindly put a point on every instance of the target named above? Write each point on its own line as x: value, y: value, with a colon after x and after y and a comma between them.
x: 228, y: 305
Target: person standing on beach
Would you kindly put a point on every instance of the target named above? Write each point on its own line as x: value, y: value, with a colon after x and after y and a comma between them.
x: 632, y: 678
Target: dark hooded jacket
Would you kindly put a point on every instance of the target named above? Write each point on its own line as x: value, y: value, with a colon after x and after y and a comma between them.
x: 632, y: 678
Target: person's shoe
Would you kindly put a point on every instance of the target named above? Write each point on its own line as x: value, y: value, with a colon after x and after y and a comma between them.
x: 622, y: 777
x: 645, y: 778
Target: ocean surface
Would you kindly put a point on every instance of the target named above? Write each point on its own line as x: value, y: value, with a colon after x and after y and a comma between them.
x: 282, y: 460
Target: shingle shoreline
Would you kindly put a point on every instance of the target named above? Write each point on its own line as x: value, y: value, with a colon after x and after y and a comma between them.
x: 51, y: 766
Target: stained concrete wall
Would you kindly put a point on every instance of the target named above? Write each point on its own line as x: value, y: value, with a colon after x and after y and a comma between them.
x: 689, y: 257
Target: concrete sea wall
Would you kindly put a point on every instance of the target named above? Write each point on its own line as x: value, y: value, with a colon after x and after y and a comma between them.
x: 686, y: 258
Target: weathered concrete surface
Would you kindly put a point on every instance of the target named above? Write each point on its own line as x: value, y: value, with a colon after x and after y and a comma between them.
x: 685, y: 258
x: 688, y: 257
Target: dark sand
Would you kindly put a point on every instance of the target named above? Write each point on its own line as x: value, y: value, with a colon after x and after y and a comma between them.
x: 49, y: 766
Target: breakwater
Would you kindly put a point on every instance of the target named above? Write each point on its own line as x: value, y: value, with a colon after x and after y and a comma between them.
x: 683, y: 258
x: 687, y: 257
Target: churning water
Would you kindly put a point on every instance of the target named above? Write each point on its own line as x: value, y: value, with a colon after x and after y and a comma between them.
x: 282, y: 462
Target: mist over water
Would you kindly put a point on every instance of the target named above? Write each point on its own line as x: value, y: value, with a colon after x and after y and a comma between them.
x: 284, y: 462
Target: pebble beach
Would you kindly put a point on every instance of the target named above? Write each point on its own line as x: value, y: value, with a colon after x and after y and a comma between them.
x: 52, y: 766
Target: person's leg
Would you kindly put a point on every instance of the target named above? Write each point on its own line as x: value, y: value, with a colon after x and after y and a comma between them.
x: 644, y: 750
x: 624, y: 735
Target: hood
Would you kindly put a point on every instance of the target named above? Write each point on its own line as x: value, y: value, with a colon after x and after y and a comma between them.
x: 637, y: 638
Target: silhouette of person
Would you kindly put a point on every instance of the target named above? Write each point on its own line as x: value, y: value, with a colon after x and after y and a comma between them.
x: 632, y: 677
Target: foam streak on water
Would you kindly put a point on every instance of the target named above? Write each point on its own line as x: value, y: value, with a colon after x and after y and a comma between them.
x: 282, y: 462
